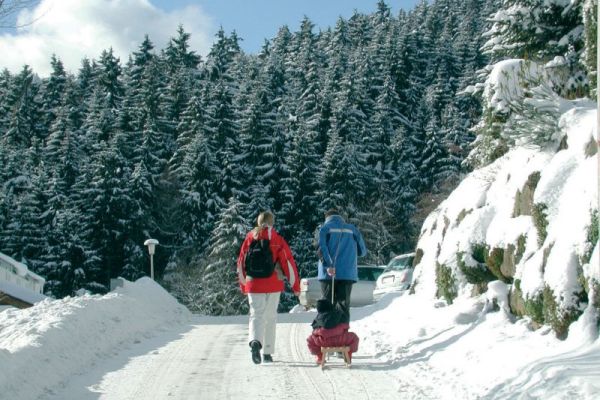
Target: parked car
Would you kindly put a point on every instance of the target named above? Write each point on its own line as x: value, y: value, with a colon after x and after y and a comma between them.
x: 362, y: 290
x: 396, y: 277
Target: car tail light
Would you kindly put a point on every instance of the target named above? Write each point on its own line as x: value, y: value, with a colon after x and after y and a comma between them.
x: 404, y: 277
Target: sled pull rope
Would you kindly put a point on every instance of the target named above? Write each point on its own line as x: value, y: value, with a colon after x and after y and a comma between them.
x: 337, y: 251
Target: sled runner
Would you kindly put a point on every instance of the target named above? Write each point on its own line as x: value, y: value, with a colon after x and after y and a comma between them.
x: 326, y: 351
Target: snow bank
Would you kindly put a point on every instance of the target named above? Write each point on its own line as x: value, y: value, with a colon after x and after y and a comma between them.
x: 44, y: 345
x: 467, y: 351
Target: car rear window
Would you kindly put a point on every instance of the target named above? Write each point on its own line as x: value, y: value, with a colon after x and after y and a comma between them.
x: 400, y: 264
x: 369, y: 274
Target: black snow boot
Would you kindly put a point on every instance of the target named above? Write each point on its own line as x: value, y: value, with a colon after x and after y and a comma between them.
x: 255, y: 347
x: 267, y: 358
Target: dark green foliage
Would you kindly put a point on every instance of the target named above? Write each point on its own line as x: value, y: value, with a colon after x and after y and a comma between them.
x: 544, y: 309
x: 479, y: 252
x: 540, y: 221
x: 534, y: 308
x: 446, y: 283
x: 558, y: 318
x: 475, y: 275
x: 592, y: 237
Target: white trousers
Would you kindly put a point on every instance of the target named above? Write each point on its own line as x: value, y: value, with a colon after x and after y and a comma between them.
x: 263, y: 319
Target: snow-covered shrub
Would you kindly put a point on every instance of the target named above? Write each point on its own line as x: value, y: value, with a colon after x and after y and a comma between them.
x: 591, y: 278
x: 541, y: 221
x: 557, y: 316
x: 534, y: 115
x: 592, y: 237
x: 534, y: 308
x: 510, y: 89
x: 474, y: 274
x: 446, y: 283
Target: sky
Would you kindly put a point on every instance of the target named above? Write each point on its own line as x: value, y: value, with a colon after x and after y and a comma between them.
x: 74, y: 29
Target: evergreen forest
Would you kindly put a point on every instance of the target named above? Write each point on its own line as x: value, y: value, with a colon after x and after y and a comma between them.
x: 376, y: 116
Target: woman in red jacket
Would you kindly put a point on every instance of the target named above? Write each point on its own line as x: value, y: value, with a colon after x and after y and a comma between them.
x: 263, y: 292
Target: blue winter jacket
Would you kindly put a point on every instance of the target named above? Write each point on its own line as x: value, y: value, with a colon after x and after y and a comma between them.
x: 341, y: 243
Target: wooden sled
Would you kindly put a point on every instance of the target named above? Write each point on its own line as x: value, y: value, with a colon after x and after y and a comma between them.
x: 326, y: 351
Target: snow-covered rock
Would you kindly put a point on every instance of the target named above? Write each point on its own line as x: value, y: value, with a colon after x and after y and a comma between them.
x: 531, y: 212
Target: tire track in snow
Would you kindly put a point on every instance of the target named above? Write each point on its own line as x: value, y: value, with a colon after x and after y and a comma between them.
x: 296, y: 340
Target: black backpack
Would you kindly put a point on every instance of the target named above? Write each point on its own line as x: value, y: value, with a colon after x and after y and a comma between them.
x: 259, y: 259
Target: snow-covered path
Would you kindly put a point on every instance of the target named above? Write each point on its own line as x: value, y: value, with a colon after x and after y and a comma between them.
x: 210, y: 359
x: 138, y: 343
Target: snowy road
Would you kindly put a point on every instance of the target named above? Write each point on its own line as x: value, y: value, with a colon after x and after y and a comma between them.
x: 210, y: 359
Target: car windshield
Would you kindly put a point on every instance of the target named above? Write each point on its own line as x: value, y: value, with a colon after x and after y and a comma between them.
x: 369, y: 273
x: 398, y: 264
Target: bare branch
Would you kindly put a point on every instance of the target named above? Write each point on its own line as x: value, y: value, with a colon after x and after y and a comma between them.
x: 10, y: 8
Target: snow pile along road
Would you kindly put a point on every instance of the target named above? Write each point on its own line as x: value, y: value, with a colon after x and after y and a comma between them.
x: 469, y: 351
x: 45, y: 345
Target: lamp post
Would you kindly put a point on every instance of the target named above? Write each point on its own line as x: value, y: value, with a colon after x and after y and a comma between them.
x: 151, y: 243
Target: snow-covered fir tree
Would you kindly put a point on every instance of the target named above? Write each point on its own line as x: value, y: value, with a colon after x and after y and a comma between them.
x: 371, y: 115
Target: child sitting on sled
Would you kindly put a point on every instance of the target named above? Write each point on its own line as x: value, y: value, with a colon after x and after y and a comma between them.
x: 328, y: 331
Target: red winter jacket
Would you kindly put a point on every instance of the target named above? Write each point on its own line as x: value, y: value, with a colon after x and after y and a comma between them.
x: 286, y: 265
x: 333, y: 337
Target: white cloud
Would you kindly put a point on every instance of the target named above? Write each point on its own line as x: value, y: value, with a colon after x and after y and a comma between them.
x: 73, y: 29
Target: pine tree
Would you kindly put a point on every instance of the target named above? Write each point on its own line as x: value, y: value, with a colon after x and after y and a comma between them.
x: 24, y: 111
x: 590, y: 22
x: 199, y: 176
x: 66, y: 252
x: 178, y: 54
x: 108, y: 207
x: 5, y: 84
x: 53, y: 91
x: 221, y: 130
x: 222, y: 295
x: 540, y: 31
x: 22, y: 238
x: 108, y: 79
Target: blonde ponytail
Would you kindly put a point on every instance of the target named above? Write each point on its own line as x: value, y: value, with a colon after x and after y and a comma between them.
x: 265, y: 219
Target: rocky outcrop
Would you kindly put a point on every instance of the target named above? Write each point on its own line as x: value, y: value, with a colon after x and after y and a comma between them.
x: 524, y: 197
x: 508, y: 267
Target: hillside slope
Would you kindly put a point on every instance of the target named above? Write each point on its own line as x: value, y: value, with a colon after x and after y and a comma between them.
x: 529, y: 220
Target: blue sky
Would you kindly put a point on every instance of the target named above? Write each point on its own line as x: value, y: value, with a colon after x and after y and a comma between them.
x: 255, y: 20
x: 74, y: 29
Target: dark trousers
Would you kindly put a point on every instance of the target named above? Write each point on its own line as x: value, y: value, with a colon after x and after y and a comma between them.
x: 341, y: 297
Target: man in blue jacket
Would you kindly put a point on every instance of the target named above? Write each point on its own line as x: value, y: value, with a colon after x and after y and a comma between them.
x: 339, y: 245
